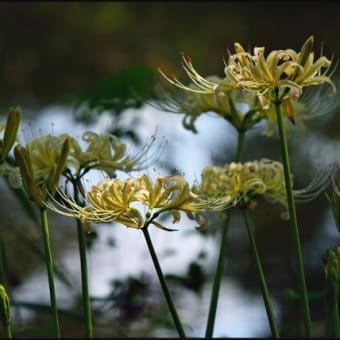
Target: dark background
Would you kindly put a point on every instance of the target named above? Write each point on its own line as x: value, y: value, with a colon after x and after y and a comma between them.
x: 49, y: 50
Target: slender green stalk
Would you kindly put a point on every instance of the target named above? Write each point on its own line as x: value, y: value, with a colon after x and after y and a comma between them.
x: 49, y: 266
x: 221, y: 257
x: 8, y: 330
x: 5, y: 312
x: 265, y: 294
x: 4, y: 281
x: 166, y: 292
x: 84, y: 275
x: 217, y: 280
x: 84, y: 280
x: 3, y: 265
x: 240, y: 145
x: 293, y: 218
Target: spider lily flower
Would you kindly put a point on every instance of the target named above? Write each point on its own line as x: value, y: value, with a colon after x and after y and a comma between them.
x: 46, y: 152
x: 10, y: 132
x: 107, y: 153
x: 251, y: 80
x: 202, y: 85
x: 239, y: 184
x: 213, y: 94
x: 171, y: 193
x: 240, y: 108
x: 122, y: 201
x: 41, y: 164
x: 286, y: 71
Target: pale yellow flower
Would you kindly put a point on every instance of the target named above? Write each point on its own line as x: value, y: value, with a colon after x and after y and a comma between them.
x: 281, y: 70
x: 45, y: 153
x: 170, y: 193
x: 282, y: 75
x: 122, y: 201
x: 41, y: 164
x: 240, y: 108
x: 108, y: 153
x: 238, y: 184
x: 231, y: 183
x: 202, y: 85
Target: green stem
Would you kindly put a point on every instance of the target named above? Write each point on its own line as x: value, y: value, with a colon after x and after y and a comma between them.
x: 84, y: 275
x: 84, y: 280
x: 4, y: 282
x: 166, y: 292
x: 265, y: 294
x: 240, y: 145
x: 293, y: 218
x: 221, y: 257
x: 5, y: 312
x: 3, y: 265
x: 217, y: 280
x: 49, y: 266
x: 8, y: 330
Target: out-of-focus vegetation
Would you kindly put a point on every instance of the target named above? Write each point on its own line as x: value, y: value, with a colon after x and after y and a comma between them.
x: 51, y: 50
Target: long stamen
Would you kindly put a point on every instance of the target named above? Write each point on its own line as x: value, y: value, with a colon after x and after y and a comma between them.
x: 205, y: 86
x: 314, y: 188
x: 194, y: 75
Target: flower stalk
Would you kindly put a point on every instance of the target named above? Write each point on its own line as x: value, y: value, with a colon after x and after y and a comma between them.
x: 264, y: 289
x: 221, y: 257
x: 49, y: 267
x: 162, y: 281
x: 5, y: 312
x: 84, y: 274
x: 3, y: 265
x: 292, y: 216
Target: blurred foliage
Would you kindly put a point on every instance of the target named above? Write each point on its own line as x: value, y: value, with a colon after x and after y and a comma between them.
x: 193, y: 280
x: 128, y: 89
x: 334, y: 201
x: 130, y: 296
x: 50, y: 50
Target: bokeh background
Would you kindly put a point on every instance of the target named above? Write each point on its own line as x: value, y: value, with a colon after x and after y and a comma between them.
x: 58, y: 56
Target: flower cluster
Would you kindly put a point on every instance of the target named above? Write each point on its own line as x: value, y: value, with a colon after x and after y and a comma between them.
x: 281, y: 75
x: 238, y: 184
x: 122, y: 201
x: 42, y: 162
x: 107, y: 153
x: 280, y: 70
x: 240, y: 108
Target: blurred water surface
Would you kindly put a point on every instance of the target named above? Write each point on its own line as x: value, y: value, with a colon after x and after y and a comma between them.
x: 119, y: 253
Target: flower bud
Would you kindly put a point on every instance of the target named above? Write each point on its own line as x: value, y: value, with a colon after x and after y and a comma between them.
x: 11, y: 129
